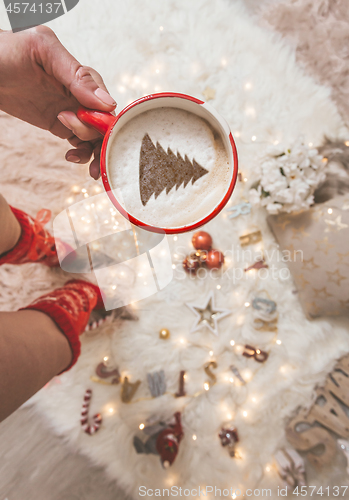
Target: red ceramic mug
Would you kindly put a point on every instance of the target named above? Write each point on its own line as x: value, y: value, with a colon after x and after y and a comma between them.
x: 109, y: 125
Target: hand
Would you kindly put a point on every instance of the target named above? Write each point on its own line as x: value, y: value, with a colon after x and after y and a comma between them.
x: 42, y: 84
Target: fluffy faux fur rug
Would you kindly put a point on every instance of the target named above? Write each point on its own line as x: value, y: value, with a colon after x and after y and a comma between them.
x: 319, y: 29
x: 262, y: 94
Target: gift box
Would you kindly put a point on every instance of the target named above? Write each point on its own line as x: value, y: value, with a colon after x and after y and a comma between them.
x: 317, y: 241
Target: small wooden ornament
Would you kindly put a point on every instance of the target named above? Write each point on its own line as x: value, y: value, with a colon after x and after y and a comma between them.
x: 260, y: 264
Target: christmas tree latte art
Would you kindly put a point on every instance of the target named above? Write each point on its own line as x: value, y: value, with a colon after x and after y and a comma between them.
x: 169, y: 167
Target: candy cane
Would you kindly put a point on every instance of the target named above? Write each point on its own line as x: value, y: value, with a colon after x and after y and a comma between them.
x: 97, y: 419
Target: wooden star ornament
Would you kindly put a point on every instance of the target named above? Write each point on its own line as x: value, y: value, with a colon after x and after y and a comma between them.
x: 207, y: 315
x: 209, y: 93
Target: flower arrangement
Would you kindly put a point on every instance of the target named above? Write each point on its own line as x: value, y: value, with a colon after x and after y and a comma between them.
x: 288, y: 178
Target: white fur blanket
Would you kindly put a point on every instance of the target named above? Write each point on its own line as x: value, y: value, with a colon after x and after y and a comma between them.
x: 203, y: 43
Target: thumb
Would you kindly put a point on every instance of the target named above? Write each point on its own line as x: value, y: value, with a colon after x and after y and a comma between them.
x: 88, y: 88
x: 84, y: 83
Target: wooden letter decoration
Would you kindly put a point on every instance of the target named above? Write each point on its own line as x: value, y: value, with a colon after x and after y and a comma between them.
x: 128, y: 390
x: 157, y: 383
x: 212, y: 376
x: 103, y: 372
x: 243, y: 208
x: 254, y: 352
x: 265, y: 326
x: 325, y: 413
x: 181, y: 391
x: 250, y: 238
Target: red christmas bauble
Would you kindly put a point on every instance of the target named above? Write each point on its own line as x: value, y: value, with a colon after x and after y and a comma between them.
x: 214, y: 259
x: 202, y: 241
x: 191, y: 264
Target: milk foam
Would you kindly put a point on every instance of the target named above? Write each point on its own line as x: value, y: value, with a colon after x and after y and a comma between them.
x: 182, y: 132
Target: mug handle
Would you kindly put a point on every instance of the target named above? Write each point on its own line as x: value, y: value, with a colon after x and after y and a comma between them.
x: 100, y: 120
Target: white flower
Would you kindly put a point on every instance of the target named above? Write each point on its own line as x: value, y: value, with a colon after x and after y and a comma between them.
x: 288, y: 177
x: 255, y: 196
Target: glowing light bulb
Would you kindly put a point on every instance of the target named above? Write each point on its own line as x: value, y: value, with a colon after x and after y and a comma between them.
x: 231, y: 380
x: 267, y: 468
x: 194, y: 436
x: 237, y: 133
x: 182, y: 341
x: 310, y: 144
x: 85, y: 195
x: 347, y: 143
x: 330, y: 211
x: 248, y: 86
x: 206, y: 386
x: 211, y: 353
x: 141, y: 426
x: 219, y: 287
x: 175, y: 238
x: 247, y: 304
x: 254, y: 400
x: 173, y: 266
x: 279, y: 342
x: 105, y: 359
x: 84, y: 190
x: 253, y: 138
x: 229, y: 416
x: 245, y: 413
x: 114, y: 287
x: 161, y: 28
x: 157, y: 71
x: 111, y: 410
x: 232, y: 342
x: 250, y: 111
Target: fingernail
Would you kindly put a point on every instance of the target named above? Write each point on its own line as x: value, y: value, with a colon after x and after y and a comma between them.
x: 73, y: 159
x: 105, y: 97
x: 64, y: 122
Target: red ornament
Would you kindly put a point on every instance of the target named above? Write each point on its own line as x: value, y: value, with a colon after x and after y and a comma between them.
x: 191, y: 263
x: 214, y: 259
x: 202, y: 241
x: 167, y: 443
x: 229, y: 437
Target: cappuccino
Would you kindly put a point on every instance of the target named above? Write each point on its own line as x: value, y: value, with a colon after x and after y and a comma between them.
x: 168, y: 167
